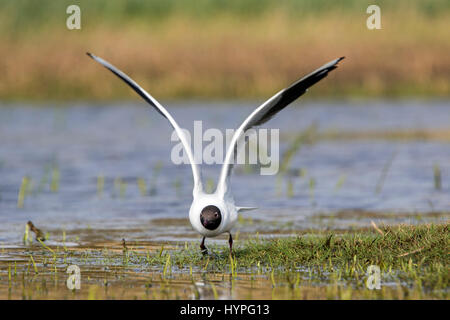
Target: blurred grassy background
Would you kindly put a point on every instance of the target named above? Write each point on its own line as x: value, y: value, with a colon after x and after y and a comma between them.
x: 217, y: 49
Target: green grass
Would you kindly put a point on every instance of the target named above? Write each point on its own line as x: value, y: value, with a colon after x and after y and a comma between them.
x: 413, y: 261
x: 351, y: 250
x: 413, y: 255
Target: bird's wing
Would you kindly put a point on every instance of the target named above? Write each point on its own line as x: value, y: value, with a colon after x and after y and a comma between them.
x: 266, y: 111
x: 155, y: 104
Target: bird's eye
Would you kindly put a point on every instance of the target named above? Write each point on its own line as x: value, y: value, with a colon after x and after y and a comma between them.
x: 216, y: 214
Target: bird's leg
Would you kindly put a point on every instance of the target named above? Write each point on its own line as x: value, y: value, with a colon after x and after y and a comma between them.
x: 230, y: 242
x: 203, y: 247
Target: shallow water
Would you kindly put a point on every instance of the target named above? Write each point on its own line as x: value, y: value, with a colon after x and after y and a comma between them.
x: 108, y: 272
x: 128, y: 141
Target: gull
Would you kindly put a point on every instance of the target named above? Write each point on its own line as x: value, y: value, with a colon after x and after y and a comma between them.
x: 212, y: 214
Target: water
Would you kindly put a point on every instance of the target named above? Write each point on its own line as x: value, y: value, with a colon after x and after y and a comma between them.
x: 129, y: 140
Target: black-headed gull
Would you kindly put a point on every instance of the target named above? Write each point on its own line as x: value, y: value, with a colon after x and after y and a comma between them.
x: 212, y: 214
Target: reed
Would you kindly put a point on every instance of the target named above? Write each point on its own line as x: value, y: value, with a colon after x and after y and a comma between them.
x: 384, y: 173
x: 26, y: 236
x: 23, y: 191
x: 167, y: 266
x: 213, y: 287
x: 340, y: 182
x: 142, y: 186
x: 34, y: 264
x: 153, y: 182
x: 437, y: 177
x: 54, y: 183
x: 100, y: 185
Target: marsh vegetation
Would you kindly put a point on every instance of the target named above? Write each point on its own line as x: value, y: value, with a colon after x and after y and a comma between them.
x: 233, y: 49
x: 310, y: 265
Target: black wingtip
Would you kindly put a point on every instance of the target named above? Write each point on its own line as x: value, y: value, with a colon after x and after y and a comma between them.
x: 339, y: 59
x: 90, y: 55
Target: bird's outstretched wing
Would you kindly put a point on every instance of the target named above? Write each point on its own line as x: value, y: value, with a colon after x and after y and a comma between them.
x: 266, y: 111
x: 155, y: 104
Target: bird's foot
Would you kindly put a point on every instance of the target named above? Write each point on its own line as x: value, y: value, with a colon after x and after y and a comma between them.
x: 204, y: 251
x: 230, y: 242
x: 203, y: 248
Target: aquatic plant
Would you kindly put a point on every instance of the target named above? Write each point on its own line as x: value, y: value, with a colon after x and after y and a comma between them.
x: 23, y: 191
x: 437, y: 177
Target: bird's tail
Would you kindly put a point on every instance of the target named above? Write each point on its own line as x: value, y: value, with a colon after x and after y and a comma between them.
x: 242, y: 209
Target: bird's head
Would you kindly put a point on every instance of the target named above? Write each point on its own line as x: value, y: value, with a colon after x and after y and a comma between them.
x: 210, y: 217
